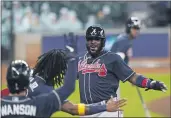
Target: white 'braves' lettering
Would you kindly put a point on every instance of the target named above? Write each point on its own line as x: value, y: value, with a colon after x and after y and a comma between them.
x: 92, y: 68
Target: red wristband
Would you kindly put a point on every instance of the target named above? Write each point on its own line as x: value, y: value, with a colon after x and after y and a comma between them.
x: 144, y: 82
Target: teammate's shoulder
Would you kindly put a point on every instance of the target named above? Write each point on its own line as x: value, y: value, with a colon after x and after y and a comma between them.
x: 113, y: 55
x: 110, y: 53
x: 42, y: 94
x: 122, y: 37
x: 39, y: 79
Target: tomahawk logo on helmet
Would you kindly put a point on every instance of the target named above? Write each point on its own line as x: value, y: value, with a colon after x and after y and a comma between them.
x: 93, y: 33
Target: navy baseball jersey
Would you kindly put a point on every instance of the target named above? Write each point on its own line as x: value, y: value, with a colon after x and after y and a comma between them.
x: 19, y: 107
x: 38, y: 86
x: 99, y: 77
x: 124, y: 45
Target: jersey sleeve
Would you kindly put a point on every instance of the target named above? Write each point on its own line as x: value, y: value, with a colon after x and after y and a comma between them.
x: 122, y: 71
x: 48, y: 103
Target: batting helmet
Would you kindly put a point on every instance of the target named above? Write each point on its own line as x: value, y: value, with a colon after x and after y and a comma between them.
x: 96, y: 32
x: 132, y: 22
x: 18, y: 74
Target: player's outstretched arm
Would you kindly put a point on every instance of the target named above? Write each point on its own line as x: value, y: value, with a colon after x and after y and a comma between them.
x: 69, y: 80
x: 125, y: 73
x: 148, y: 83
x: 89, y: 109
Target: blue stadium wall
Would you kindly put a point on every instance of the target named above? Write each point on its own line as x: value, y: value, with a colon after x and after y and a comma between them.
x: 146, y: 45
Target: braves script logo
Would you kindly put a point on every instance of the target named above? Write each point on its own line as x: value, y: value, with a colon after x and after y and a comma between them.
x: 92, y: 68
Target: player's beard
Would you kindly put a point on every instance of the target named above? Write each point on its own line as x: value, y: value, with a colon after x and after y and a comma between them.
x: 94, y: 51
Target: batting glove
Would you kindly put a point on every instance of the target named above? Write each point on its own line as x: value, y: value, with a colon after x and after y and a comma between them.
x: 71, y: 40
x: 157, y: 85
x: 70, y: 53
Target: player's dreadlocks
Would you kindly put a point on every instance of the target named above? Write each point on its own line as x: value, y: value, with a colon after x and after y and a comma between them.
x: 52, y: 67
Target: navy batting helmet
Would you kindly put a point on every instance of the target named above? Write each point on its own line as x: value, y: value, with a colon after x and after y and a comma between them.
x: 96, y: 32
x: 132, y: 22
x: 18, y: 74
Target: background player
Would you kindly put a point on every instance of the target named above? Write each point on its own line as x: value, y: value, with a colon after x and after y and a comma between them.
x: 123, y: 43
x: 18, y: 105
x: 100, y: 72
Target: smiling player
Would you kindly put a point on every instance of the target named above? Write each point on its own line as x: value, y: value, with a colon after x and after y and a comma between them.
x: 101, y: 71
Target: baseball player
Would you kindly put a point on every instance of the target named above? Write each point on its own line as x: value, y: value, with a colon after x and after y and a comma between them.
x: 100, y: 72
x: 47, y: 74
x: 123, y: 43
x: 18, y: 105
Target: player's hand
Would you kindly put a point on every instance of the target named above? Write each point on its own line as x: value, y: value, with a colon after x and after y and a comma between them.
x: 113, y: 106
x: 71, y: 41
x: 70, y: 45
x: 157, y: 85
x: 70, y: 53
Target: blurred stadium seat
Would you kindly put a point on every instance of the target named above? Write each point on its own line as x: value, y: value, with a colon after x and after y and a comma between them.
x: 54, y: 17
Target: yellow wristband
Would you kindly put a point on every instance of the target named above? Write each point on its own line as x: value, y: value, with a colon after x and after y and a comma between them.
x: 81, y: 109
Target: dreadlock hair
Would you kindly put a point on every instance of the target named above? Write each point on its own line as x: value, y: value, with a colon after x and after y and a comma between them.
x: 52, y: 67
